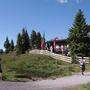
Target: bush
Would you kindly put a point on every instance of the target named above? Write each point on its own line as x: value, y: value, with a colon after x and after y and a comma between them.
x: 8, y: 75
x: 29, y: 66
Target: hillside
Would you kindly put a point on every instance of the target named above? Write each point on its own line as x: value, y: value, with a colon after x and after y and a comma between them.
x: 34, y: 66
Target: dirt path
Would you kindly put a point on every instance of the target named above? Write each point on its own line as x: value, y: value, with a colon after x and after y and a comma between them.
x: 57, y: 84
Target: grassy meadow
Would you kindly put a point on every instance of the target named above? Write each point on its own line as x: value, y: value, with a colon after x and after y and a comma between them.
x: 84, y: 87
x: 31, y: 66
x: 80, y: 87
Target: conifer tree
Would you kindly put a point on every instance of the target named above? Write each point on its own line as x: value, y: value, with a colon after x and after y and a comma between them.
x: 19, y: 49
x: 1, y: 51
x: 25, y: 40
x: 77, y: 34
x: 7, y: 45
x: 88, y: 39
x: 33, y: 39
x: 38, y: 41
x: 11, y: 45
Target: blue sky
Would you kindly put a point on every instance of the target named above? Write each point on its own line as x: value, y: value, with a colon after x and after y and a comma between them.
x: 54, y: 17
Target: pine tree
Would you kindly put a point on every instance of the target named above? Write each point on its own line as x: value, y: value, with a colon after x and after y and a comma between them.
x: 11, y: 45
x: 77, y: 40
x: 25, y: 40
x: 19, y: 49
x: 1, y: 51
x: 7, y: 45
x: 33, y: 39
x: 88, y: 39
x: 38, y: 41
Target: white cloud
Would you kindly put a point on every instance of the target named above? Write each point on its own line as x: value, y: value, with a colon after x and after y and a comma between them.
x: 62, y: 1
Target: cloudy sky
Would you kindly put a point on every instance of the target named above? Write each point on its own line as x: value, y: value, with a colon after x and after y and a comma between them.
x: 54, y: 17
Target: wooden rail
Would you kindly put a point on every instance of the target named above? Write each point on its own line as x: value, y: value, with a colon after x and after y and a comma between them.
x: 53, y: 55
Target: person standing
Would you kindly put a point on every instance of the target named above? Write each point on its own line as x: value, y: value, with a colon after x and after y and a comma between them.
x: 82, y: 65
x: 51, y: 48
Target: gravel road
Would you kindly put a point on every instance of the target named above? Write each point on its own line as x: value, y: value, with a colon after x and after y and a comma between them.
x: 57, y: 84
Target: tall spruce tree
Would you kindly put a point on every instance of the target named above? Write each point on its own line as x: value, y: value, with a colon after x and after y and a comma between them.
x: 88, y: 39
x: 33, y: 39
x: 19, y: 49
x: 11, y: 45
x: 77, y: 36
x: 38, y: 41
x: 1, y: 51
x: 7, y: 45
x: 25, y: 40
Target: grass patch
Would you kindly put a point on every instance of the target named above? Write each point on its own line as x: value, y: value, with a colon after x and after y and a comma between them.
x: 84, y: 87
x: 38, y: 66
x: 80, y: 87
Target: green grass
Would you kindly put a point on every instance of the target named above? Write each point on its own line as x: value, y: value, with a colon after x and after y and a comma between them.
x: 84, y: 87
x: 80, y: 87
x: 87, y: 67
x: 34, y: 66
